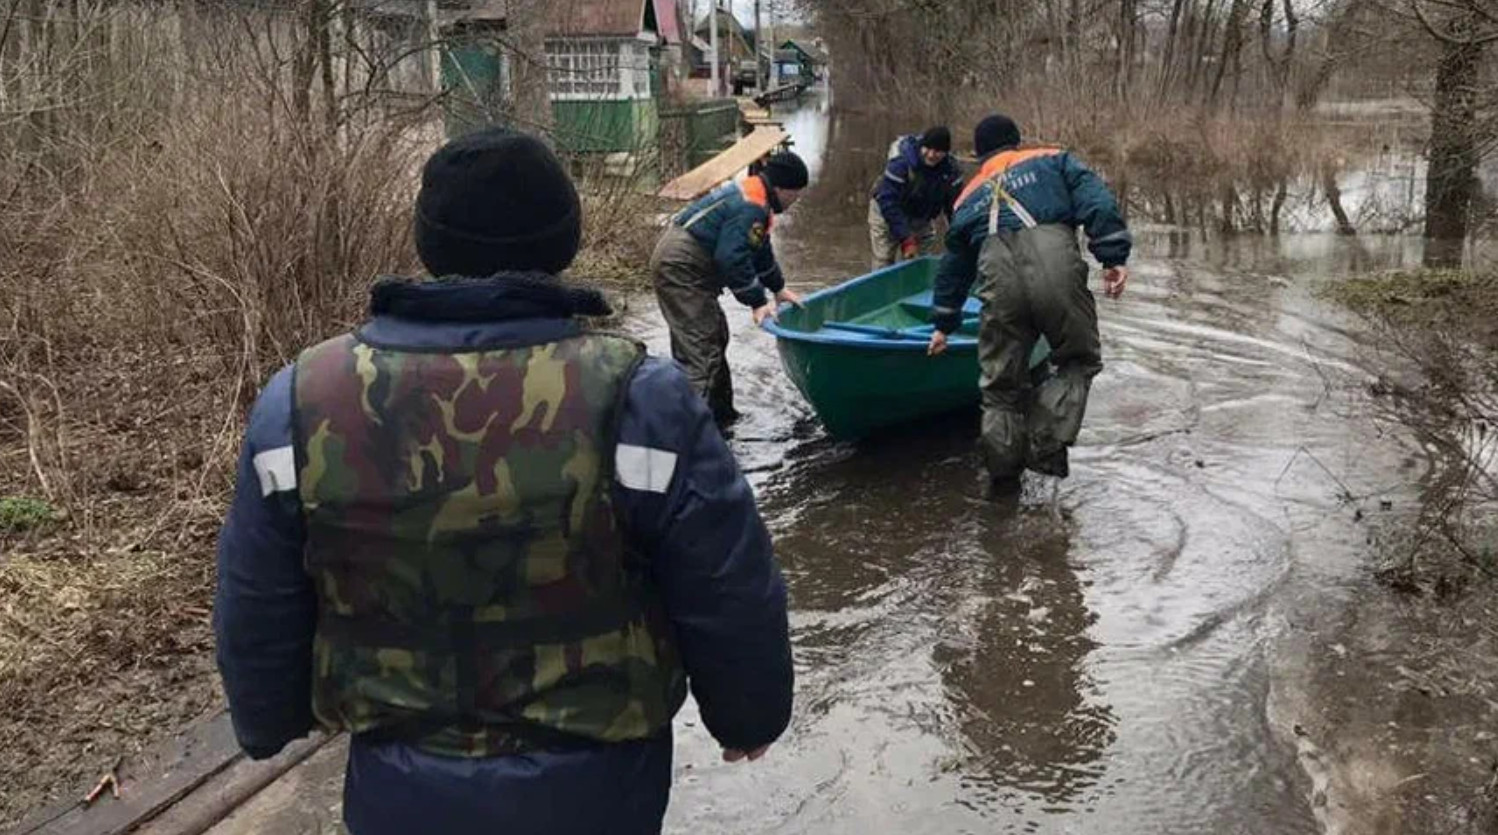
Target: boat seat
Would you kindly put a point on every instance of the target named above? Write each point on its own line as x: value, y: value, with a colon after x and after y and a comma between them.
x: 920, y: 304
x: 907, y: 318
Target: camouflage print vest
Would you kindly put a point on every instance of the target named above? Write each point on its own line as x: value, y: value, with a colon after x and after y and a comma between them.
x: 476, y: 596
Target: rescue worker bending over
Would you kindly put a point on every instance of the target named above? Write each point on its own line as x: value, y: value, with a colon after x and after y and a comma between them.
x: 493, y: 546
x: 1015, y: 226
x: 919, y: 183
x: 720, y: 242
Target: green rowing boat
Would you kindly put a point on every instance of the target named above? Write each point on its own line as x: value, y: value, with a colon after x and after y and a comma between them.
x: 857, y: 352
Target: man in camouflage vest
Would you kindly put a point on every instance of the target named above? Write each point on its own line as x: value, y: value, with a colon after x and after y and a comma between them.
x: 492, y: 545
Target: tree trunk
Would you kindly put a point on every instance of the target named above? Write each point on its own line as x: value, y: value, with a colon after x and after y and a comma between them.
x: 1450, y: 180
x: 323, y: 22
x: 1074, y: 33
x: 1167, y: 63
x: 1277, y: 206
x: 1232, y: 46
x: 1126, y: 27
x: 304, y: 67
x: 1334, y: 200
x: 529, y: 83
x: 1229, y: 221
x: 1205, y: 32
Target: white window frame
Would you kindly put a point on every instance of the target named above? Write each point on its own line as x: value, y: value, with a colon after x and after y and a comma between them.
x: 599, y: 69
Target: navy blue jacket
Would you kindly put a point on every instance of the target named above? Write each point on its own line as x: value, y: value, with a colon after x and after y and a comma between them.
x: 733, y: 224
x: 910, y: 191
x: 1051, y: 186
x: 692, y: 513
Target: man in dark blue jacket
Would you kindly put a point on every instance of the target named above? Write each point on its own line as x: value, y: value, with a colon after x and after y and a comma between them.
x: 919, y: 183
x: 1016, y: 227
x: 722, y: 242
x: 492, y: 545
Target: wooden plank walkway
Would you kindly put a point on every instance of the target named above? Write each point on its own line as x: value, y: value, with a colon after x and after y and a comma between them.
x: 723, y: 167
x: 186, y: 784
x: 784, y: 92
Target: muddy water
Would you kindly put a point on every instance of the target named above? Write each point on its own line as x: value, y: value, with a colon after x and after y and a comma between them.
x: 1109, y: 655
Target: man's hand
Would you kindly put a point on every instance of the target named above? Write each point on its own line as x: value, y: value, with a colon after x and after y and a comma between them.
x: 909, y: 248
x: 733, y: 755
x: 937, y: 345
x: 789, y: 296
x: 763, y: 312
x: 1114, y: 281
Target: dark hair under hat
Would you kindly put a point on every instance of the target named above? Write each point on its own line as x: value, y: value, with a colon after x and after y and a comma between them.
x: 995, y: 133
x: 938, y: 138
x: 786, y: 170
x: 495, y: 201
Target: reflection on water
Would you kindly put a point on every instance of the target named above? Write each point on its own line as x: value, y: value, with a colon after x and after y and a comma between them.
x: 1032, y: 719
x: 1106, y: 665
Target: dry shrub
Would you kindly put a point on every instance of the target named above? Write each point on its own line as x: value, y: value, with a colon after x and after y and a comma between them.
x: 184, y: 205
x: 172, y: 234
x: 268, y: 240
x: 619, y: 209
x: 1435, y: 331
x: 1175, y: 158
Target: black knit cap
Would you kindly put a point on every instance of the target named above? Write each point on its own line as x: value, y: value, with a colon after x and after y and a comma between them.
x: 496, y: 201
x: 938, y: 138
x: 786, y: 170
x: 995, y: 133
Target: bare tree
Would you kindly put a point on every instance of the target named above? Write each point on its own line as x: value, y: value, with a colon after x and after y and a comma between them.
x: 1462, y: 29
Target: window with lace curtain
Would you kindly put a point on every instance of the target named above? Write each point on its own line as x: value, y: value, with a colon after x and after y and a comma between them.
x: 598, y: 68
x: 584, y: 69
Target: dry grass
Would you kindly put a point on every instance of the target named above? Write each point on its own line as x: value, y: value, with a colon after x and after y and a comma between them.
x: 104, y: 638
x: 1438, y: 328
x: 174, y: 229
x: 617, y: 240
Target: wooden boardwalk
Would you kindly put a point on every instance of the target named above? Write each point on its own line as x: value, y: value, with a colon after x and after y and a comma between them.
x: 185, y: 786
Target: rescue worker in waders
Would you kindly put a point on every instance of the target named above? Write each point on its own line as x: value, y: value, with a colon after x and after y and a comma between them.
x: 720, y: 242
x: 918, y: 185
x: 495, y: 547
x: 1015, y: 232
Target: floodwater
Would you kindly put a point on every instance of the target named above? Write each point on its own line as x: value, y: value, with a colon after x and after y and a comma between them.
x: 1155, y: 645
x: 1114, y: 654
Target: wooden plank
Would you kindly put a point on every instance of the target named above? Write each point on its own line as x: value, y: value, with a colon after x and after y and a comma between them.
x: 147, y: 784
x: 723, y: 167
x: 216, y: 799
x: 784, y: 92
x: 306, y: 799
x: 749, y: 110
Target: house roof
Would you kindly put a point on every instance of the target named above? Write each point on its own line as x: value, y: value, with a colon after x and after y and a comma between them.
x: 734, y: 24
x: 448, y: 11
x: 624, y: 18
x: 668, y: 23
x: 817, y: 56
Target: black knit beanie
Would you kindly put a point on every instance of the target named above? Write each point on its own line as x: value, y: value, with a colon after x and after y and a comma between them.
x: 995, y: 133
x: 937, y: 139
x: 786, y: 170
x: 496, y: 201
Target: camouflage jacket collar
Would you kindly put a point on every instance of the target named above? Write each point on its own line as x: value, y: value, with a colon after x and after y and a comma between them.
x: 497, y: 298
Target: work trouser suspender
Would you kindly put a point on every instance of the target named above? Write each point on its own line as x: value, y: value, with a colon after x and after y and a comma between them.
x: 1000, y: 194
x: 706, y: 210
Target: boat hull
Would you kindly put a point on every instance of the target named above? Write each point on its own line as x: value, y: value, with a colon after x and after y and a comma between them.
x: 857, y: 353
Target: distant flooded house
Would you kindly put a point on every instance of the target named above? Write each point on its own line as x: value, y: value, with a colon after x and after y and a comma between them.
x: 397, y: 38
x: 609, y: 61
x: 735, y: 44
x: 797, y: 60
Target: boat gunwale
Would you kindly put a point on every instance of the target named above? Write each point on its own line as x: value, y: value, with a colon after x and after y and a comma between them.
x: 956, y: 343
